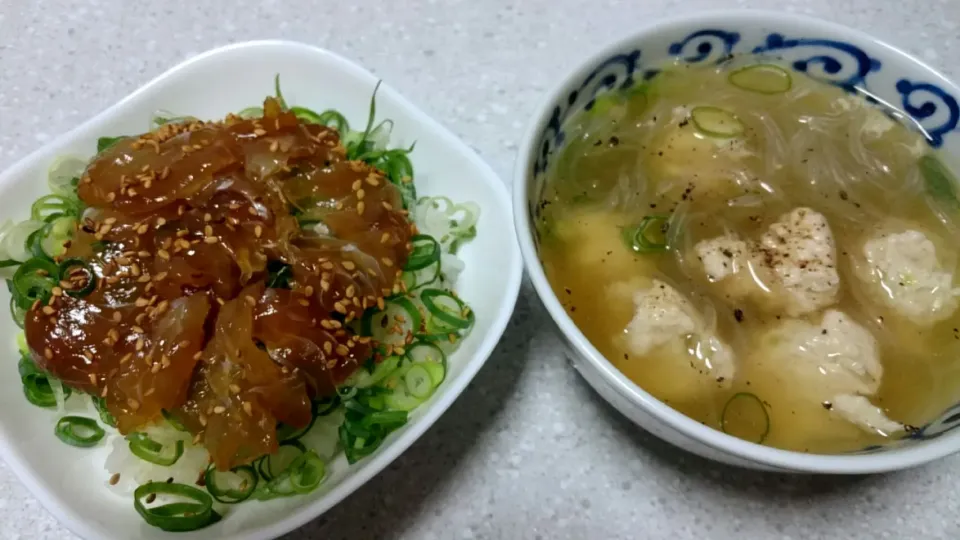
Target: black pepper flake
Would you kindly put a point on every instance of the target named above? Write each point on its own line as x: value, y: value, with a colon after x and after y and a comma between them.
x: 685, y: 122
x: 738, y: 314
x: 568, y: 290
x: 827, y: 405
x: 843, y: 195
x: 598, y: 143
x: 614, y: 140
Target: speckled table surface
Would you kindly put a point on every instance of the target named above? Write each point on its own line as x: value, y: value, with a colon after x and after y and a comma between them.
x: 528, y: 451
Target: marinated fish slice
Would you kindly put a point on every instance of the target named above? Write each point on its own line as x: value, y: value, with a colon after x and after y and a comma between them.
x: 299, y: 335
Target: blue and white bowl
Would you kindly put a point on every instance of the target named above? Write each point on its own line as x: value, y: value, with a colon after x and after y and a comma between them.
x: 832, y: 53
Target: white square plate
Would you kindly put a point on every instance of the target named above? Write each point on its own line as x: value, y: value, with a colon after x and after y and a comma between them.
x: 72, y: 482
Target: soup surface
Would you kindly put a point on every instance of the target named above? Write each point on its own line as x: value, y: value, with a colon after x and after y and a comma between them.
x: 768, y: 254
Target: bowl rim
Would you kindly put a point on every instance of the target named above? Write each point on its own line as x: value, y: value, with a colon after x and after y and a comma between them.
x: 511, y: 278
x: 784, y: 460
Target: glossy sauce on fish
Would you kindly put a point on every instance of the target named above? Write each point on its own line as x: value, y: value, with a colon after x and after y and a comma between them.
x: 181, y: 226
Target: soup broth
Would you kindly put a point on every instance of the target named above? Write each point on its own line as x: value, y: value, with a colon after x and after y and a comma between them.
x: 766, y: 253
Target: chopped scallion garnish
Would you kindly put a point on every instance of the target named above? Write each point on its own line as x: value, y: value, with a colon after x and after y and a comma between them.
x: 649, y: 236
x: 745, y: 416
x: 147, y: 449
x: 231, y: 487
x: 79, y: 431
x: 196, y: 513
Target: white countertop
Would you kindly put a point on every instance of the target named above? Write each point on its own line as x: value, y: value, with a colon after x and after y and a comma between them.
x: 528, y: 451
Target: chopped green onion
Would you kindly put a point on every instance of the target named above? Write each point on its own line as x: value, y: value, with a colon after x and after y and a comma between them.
x: 36, y: 384
x: 166, y: 117
x: 365, y: 379
x: 357, y: 446
x: 762, y: 78
x: 334, y: 119
x: 287, y: 433
x: 649, y: 236
x: 172, y: 419
x: 79, y: 431
x: 106, y: 142
x: 425, y: 251
x: 17, y: 313
x: 345, y: 393
x: 303, y: 475
x: 89, y: 285
x: 55, y: 235
x: 22, y: 344
x: 251, y: 113
x: 418, y: 382
x: 940, y: 182
x: 716, y: 122
x: 177, y: 516
x: 391, y: 326
x: 105, y: 415
x: 431, y: 357
x: 397, y: 166
x: 35, y: 242
x: 356, y: 149
x: 745, y: 416
x: 368, y: 419
x: 401, y: 399
x: 64, y: 174
x: 50, y: 205
x: 416, y: 279
x: 449, y: 223
x: 424, y: 351
x: 38, y: 391
x: 272, y: 465
x: 279, y: 94
x: 437, y: 371
x: 147, y: 449
x: 14, y: 242
x: 306, y: 115
x: 603, y: 105
x: 307, y: 472
x: 221, y: 484
x: 448, y: 313
x: 34, y: 280
x: 325, y: 406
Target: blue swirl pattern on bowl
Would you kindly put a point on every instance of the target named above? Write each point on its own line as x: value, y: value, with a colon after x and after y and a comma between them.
x: 934, y: 110
x: 841, y: 64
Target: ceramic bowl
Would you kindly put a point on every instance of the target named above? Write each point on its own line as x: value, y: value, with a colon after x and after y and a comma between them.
x: 835, y: 54
x: 71, y: 482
